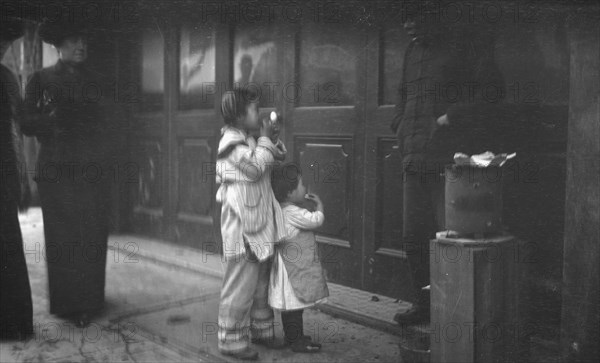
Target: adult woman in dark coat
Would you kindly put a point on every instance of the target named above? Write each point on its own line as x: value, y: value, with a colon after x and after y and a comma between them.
x: 16, y: 312
x: 65, y: 111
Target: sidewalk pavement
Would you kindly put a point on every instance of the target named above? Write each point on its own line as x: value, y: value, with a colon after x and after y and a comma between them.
x: 162, y: 305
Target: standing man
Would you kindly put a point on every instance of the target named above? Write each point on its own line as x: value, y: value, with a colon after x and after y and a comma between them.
x: 431, y: 81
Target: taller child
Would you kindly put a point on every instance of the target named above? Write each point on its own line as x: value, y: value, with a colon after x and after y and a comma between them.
x: 251, y: 222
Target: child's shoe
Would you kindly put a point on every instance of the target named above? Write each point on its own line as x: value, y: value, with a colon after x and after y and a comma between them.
x: 305, y: 345
x: 244, y: 354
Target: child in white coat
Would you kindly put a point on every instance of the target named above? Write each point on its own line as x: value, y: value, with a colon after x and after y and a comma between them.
x: 297, y: 278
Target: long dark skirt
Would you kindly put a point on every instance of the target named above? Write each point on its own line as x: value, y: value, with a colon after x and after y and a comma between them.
x: 16, y: 311
x: 76, y: 234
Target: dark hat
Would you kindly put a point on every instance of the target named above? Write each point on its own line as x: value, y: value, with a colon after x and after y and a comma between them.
x: 12, y: 28
x: 53, y: 32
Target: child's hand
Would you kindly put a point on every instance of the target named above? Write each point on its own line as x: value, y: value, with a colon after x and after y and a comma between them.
x: 266, y: 129
x: 275, y: 135
x: 315, y: 198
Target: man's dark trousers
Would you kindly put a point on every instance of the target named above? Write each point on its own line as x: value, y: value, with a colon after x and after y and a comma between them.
x: 423, y: 215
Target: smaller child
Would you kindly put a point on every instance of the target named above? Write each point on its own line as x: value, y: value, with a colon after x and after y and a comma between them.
x: 297, y: 278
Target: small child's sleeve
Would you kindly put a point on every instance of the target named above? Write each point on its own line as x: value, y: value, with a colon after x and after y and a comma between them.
x: 303, y: 219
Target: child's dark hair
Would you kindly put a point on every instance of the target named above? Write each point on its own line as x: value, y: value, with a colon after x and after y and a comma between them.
x: 285, y: 179
x: 234, y: 103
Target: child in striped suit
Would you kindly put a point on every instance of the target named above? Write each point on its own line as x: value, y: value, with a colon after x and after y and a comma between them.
x: 251, y: 222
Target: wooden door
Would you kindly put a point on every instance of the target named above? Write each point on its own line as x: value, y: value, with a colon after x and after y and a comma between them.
x: 323, y: 99
x: 148, y: 144
x: 176, y: 128
x: 185, y: 64
x: 335, y: 84
x: 194, y: 129
x: 386, y: 270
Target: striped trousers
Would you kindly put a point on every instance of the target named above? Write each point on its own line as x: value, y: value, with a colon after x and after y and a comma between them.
x: 244, y: 310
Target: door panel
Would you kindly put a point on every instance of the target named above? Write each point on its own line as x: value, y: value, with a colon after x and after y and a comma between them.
x: 324, y: 109
x: 149, y: 144
x: 195, y: 192
x: 148, y: 191
x: 152, y: 66
x: 176, y: 128
x: 389, y: 198
x: 197, y: 63
x: 256, y: 61
x: 194, y: 189
x: 194, y: 131
x: 327, y: 65
x: 387, y: 269
x: 326, y: 163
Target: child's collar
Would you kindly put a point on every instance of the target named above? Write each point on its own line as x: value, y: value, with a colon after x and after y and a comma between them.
x: 233, y: 129
x: 230, y: 137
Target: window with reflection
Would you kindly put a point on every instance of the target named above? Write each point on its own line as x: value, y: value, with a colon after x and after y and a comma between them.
x: 393, y: 44
x: 327, y: 66
x: 255, y: 62
x: 152, y: 59
x: 196, y: 67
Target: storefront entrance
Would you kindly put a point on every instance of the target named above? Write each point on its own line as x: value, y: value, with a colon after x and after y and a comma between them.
x: 335, y: 85
x: 335, y: 81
